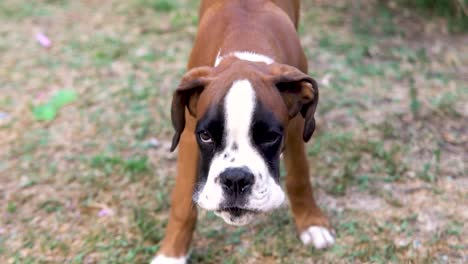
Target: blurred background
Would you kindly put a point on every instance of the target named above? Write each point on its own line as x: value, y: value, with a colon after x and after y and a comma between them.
x: 85, y: 171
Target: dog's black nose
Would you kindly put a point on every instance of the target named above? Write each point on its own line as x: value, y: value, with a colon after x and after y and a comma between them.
x: 236, y: 181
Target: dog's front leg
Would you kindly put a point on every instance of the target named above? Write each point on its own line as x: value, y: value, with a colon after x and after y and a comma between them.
x: 183, y: 214
x: 312, y: 225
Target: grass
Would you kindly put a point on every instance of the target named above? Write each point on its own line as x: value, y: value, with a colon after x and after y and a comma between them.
x: 89, y: 185
x: 158, y: 5
x: 455, y: 11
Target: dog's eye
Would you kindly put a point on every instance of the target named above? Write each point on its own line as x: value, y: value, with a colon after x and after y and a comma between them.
x: 270, y: 138
x: 205, y: 137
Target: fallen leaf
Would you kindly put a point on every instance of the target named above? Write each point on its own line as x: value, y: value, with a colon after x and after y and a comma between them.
x: 48, y: 111
x: 45, y: 112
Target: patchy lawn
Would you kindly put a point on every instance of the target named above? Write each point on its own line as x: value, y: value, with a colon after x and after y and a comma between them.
x: 85, y: 171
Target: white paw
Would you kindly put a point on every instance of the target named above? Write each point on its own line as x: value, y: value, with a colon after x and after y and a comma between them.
x: 161, y: 259
x: 320, y: 236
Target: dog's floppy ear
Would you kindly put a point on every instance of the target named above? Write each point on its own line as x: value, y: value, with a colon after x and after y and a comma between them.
x: 186, y: 95
x: 300, y: 94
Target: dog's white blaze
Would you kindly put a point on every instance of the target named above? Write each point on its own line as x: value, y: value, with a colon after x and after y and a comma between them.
x: 161, y: 259
x: 244, y: 55
x: 266, y: 193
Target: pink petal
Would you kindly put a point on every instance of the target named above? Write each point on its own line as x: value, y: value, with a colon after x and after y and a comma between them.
x: 105, y: 212
x: 43, y: 40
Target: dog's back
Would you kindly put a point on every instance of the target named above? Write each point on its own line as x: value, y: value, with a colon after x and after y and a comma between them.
x: 260, y: 26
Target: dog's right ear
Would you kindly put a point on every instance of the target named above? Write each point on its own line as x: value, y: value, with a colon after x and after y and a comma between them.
x: 186, y: 95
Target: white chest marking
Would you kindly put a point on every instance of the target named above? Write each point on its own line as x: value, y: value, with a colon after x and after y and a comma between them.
x: 244, y: 55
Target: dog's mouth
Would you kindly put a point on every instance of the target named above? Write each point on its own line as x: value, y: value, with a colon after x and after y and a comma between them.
x: 236, y: 211
x: 236, y: 215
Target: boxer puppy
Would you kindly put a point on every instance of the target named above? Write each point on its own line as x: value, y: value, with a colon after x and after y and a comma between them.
x: 246, y: 99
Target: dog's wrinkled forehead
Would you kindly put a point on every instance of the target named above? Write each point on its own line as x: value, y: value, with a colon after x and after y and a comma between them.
x: 239, y: 114
x: 242, y: 74
x: 233, y: 112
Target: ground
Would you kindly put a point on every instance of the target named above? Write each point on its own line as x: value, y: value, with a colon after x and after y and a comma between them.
x: 91, y: 183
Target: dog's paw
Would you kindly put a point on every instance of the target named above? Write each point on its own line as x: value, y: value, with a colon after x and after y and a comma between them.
x: 161, y: 259
x: 320, y: 236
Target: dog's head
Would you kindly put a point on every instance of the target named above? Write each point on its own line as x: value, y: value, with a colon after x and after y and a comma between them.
x: 242, y: 111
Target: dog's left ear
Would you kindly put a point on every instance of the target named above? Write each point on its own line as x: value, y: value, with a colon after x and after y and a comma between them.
x: 300, y: 94
x: 186, y: 96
